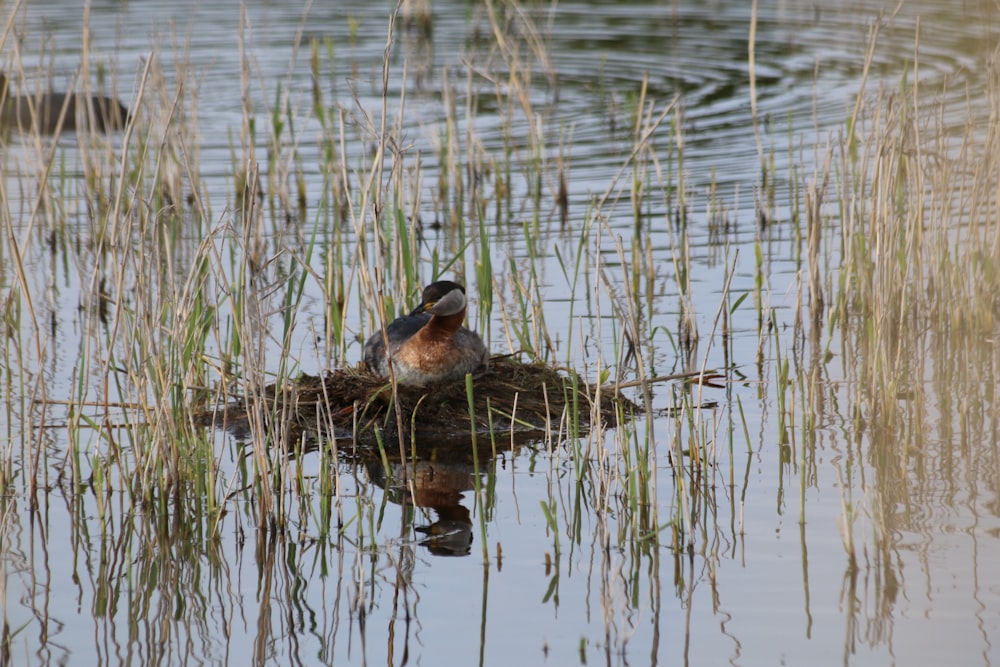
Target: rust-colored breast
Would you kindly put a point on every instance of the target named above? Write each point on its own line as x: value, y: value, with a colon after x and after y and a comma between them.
x: 440, y: 350
x: 429, y: 350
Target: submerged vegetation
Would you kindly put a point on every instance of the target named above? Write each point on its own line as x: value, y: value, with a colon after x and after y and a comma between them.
x: 888, y: 356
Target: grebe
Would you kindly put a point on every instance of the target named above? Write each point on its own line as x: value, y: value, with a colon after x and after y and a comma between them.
x: 42, y: 112
x: 430, y: 344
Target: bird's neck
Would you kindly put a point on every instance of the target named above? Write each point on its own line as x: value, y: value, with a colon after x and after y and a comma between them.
x: 447, y: 323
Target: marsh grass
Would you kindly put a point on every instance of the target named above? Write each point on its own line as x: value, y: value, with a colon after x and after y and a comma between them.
x: 183, y: 307
x: 901, y: 292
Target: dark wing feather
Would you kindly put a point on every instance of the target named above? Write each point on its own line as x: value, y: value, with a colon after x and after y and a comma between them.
x: 397, y: 332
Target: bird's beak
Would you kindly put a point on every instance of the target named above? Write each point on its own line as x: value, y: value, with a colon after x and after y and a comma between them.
x: 422, y: 308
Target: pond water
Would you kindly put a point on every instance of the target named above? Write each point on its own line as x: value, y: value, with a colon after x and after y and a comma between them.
x: 476, y: 572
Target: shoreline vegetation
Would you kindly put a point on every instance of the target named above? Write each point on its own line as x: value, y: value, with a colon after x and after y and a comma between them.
x: 184, y: 307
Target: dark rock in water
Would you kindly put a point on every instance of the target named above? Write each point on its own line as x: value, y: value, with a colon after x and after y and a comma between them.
x: 47, y: 113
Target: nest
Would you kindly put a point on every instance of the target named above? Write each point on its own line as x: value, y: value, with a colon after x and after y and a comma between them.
x: 508, y: 396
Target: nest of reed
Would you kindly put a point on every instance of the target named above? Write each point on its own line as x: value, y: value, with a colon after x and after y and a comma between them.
x: 508, y: 396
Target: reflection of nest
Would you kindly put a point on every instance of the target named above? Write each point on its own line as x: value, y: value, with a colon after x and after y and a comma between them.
x: 508, y: 396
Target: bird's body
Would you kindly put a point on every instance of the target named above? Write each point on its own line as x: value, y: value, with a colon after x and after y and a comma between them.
x: 430, y: 344
x: 49, y: 112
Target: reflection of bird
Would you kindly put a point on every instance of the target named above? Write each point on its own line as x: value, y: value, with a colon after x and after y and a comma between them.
x: 451, y: 534
x: 42, y: 112
x: 437, y: 485
x: 430, y: 344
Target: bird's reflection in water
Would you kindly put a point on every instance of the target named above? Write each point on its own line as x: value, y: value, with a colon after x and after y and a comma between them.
x: 451, y: 534
x: 437, y: 484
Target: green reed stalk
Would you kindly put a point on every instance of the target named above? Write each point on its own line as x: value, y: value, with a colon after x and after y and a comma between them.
x: 484, y: 281
x: 476, y: 480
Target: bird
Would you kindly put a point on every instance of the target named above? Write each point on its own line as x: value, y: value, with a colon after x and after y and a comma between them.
x: 42, y: 112
x: 430, y: 344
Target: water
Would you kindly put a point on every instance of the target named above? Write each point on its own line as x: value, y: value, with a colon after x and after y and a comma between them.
x: 769, y: 580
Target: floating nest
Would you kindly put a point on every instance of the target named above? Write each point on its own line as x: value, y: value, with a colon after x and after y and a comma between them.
x: 508, y: 396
